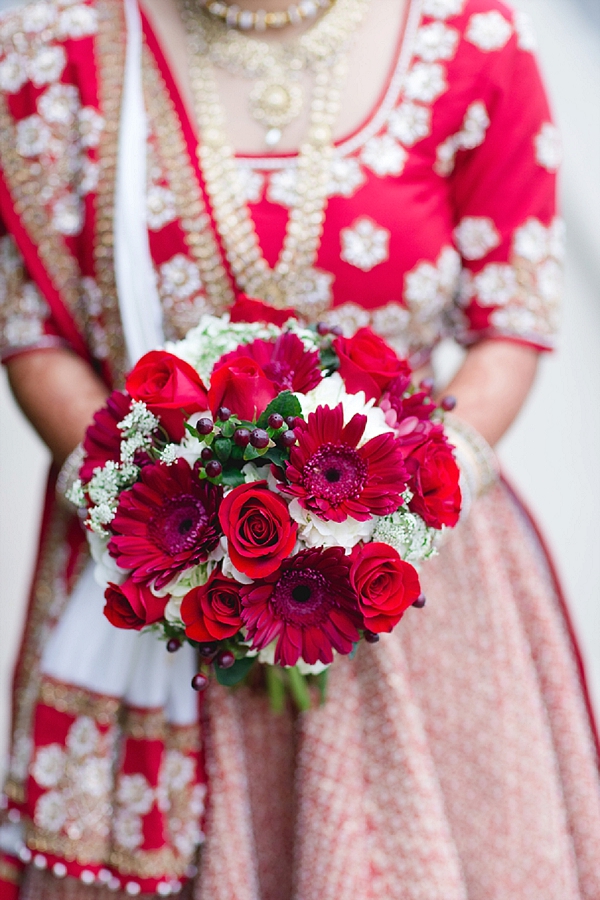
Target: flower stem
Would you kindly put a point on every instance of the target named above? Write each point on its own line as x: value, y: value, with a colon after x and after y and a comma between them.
x: 299, y: 689
x: 275, y: 688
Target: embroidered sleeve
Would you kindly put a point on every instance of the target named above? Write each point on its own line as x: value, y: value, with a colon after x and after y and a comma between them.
x: 503, y: 188
x: 25, y: 319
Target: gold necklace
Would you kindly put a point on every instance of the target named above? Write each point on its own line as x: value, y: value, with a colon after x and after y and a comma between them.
x: 247, y: 20
x: 294, y: 281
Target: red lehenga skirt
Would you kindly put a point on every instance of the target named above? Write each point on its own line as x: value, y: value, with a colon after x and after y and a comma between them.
x: 453, y: 761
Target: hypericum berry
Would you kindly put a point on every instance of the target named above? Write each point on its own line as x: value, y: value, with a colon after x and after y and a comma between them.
x: 213, y: 468
x: 206, y: 453
x: 275, y: 421
x: 323, y: 328
x: 420, y: 601
x: 173, y: 645
x: 241, y: 437
x: 337, y: 330
x: 200, y: 681
x: 259, y: 438
x: 290, y: 421
x: 288, y: 438
x: 208, y: 651
x: 448, y: 403
x: 223, y: 413
x: 204, y: 426
x: 371, y: 637
x: 225, y: 659
x: 427, y: 385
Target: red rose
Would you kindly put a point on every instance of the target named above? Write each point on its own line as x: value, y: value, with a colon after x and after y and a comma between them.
x: 169, y: 387
x: 132, y: 605
x: 434, y: 478
x: 260, y: 533
x: 242, y: 387
x: 249, y: 309
x: 212, y: 612
x: 367, y: 363
x: 385, y: 584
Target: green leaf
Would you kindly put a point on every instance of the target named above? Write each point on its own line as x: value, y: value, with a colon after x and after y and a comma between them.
x: 193, y: 431
x: 277, y: 455
x: 222, y: 448
x: 232, y: 478
x: 298, y: 689
x: 329, y: 359
x: 228, y: 428
x: 251, y: 453
x: 236, y: 673
x: 275, y: 687
x: 286, y: 404
x: 321, y: 680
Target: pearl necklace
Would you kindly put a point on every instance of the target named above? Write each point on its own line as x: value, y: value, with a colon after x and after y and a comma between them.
x: 246, y: 20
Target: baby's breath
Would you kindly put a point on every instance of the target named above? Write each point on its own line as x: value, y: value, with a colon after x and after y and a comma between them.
x: 407, y: 533
x: 139, y: 420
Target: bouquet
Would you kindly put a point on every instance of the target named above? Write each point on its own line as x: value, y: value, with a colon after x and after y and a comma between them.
x: 266, y: 492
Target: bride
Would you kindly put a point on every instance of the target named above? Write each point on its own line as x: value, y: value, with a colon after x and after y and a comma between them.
x: 388, y: 163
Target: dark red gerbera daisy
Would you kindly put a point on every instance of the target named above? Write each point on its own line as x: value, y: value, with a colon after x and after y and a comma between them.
x: 285, y: 361
x: 308, y: 605
x: 166, y: 522
x: 102, y: 440
x: 334, y: 478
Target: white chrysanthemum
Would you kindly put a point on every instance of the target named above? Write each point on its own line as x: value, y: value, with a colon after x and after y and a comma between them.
x: 384, y: 156
x: 47, y: 65
x: 436, y: 41
x: 13, y: 73
x: 50, y: 812
x: 426, y: 82
x: 495, y: 285
x: 315, y: 532
x: 331, y: 392
x: 345, y: 176
x: 49, y: 765
x: 229, y: 570
x: 252, y: 472
x: 33, y: 136
x: 135, y: 794
x: 410, y: 123
x: 365, y: 244
x: 311, y: 668
x: 160, y: 207
x: 476, y: 236
x: 489, y: 31
x: 548, y: 147
x: 106, y: 567
x: 408, y: 534
x: 83, y: 737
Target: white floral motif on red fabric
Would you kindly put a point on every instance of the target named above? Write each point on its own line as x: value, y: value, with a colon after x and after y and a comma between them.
x: 410, y: 123
x: 364, y: 245
x: 476, y: 236
x: 384, y: 156
x: 548, y: 147
x: 488, y: 31
x: 436, y: 41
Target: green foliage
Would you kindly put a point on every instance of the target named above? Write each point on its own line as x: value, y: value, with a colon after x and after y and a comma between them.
x: 286, y: 404
x: 236, y: 673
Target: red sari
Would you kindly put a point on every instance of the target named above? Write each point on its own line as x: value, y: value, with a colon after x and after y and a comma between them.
x: 454, y: 760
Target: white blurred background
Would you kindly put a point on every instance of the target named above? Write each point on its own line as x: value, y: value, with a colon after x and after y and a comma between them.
x: 552, y: 454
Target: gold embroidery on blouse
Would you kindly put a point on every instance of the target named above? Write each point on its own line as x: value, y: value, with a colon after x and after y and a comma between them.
x: 76, y: 701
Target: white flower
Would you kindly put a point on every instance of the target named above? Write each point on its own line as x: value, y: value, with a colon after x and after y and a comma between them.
x: 345, y: 176
x: 436, y: 41
x: 49, y: 765
x: 548, y: 147
x: 331, y: 391
x: 488, y: 31
x: 476, y: 236
x: 135, y: 794
x: 177, y: 771
x: 180, y: 277
x: 160, y: 207
x: 59, y: 104
x: 50, y: 812
x: 408, y: 534
x: 311, y: 669
x: 443, y: 9
x: 91, y: 124
x: 228, y: 568
x: 526, y: 38
x: 127, y: 829
x: 38, y: 16
x: 13, y: 74
x: 78, y: 21
x: 67, y: 214
x: 251, y: 183
x: 426, y: 82
x: 495, y: 285
x: 365, y: 244
x: 47, y: 65
x: 33, y: 136
x: 531, y: 241
x: 106, y: 568
x: 282, y: 187
x: 315, y: 532
x: 384, y: 156
x: 83, y: 737
x: 410, y: 123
